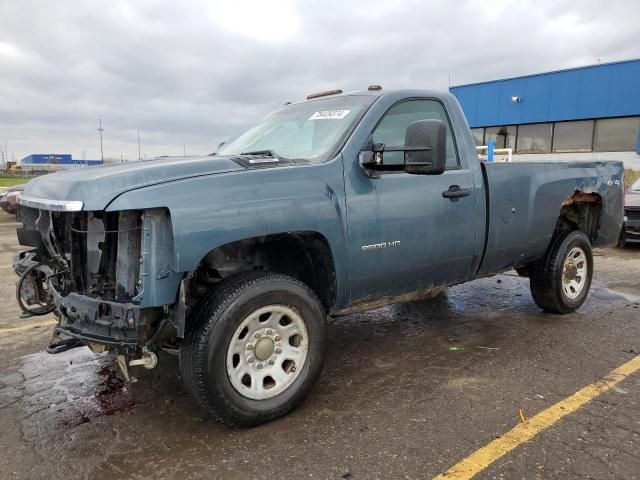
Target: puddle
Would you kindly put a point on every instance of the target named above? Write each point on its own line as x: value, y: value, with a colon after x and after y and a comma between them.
x: 70, y: 388
x: 603, y: 293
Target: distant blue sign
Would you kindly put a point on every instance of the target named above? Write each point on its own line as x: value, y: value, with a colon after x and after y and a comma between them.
x: 56, y: 159
x: 50, y: 158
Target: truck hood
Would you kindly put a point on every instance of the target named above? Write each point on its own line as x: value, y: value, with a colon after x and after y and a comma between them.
x: 96, y: 187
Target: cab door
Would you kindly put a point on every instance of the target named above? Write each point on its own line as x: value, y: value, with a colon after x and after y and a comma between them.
x: 409, y: 232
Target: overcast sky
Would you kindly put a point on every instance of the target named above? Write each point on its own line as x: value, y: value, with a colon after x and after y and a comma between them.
x: 196, y: 73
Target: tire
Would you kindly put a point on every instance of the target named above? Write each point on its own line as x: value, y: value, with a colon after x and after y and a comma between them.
x: 522, y: 271
x: 550, y: 284
x: 622, y: 239
x: 244, y: 310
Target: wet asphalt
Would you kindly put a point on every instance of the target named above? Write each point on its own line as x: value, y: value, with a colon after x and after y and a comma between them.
x: 407, y: 391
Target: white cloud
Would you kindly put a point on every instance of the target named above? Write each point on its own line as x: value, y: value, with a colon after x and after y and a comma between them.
x: 197, y: 72
x: 9, y: 50
x: 273, y: 20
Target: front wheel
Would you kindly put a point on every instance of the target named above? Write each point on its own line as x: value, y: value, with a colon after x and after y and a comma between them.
x: 255, y: 349
x: 560, y: 281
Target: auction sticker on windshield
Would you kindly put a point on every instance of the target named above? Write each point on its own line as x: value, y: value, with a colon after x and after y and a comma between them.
x: 330, y: 115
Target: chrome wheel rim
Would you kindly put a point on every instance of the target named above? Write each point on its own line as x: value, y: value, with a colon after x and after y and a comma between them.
x: 267, y: 352
x: 574, y: 273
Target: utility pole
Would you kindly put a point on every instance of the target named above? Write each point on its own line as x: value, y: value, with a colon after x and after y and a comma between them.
x: 139, y: 156
x: 184, y: 149
x: 100, y: 129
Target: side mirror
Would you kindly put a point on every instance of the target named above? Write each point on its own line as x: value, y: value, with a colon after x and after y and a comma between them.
x: 425, y: 147
x: 425, y: 151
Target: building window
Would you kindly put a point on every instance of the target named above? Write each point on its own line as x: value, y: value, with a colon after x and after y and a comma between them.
x: 573, y: 136
x: 534, y: 138
x: 478, y: 136
x: 504, y: 137
x: 616, y: 134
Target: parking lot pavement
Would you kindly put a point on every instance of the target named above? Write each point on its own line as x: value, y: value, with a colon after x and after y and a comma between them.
x: 407, y: 392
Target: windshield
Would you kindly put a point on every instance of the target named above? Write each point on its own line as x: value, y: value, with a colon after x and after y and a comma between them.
x: 635, y: 186
x: 309, y: 131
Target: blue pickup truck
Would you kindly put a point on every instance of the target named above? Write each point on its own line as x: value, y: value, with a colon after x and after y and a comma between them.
x: 337, y: 204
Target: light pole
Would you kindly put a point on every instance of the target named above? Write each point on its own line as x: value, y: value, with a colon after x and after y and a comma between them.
x: 100, y: 129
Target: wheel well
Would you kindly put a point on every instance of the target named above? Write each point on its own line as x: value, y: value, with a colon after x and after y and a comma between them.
x: 581, y: 211
x: 302, y: 255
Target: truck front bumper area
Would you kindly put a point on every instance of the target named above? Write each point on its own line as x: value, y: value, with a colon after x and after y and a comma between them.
x: 99, y: 321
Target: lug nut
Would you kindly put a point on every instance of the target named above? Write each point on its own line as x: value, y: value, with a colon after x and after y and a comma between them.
x: 260, y: 366
x: 277, y: 339
x: 258, y: 335
x: 269, y: 331
x: 250, y: 360
x: 278, y: 350
x: 250, y: 346
x: 272, y: 361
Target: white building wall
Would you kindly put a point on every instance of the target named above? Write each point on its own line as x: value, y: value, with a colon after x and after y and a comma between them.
x: 630, y: 159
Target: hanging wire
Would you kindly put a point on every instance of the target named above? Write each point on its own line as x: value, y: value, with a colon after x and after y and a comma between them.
x: 106, y: 231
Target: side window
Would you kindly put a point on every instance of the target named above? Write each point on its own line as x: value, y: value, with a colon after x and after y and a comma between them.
x: 393, y: 126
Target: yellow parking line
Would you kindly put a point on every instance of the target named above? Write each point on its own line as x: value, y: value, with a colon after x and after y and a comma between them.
x: 485, y: 456
x: 24, y: 328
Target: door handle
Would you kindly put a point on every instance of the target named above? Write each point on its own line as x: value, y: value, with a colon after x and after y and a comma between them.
x: 456, y: 192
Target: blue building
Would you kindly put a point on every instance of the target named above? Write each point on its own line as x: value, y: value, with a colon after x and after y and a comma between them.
x: 63, y: 159
x: 586, y: 109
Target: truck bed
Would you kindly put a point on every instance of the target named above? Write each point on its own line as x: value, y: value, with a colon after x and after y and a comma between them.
x: 524, y: 201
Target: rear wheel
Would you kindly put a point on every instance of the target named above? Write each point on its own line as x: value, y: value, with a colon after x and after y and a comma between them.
x: 256, y: 348
x: 560, y: 281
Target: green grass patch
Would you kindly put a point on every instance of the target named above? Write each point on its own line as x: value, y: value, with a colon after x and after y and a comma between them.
x: 630, y: 176
x: 11, y: 181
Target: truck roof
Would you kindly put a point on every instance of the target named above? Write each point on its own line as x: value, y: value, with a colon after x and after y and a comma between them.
x: 399, y: 93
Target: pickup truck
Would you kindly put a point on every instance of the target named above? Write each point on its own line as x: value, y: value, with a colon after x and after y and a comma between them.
x: 338, y: 204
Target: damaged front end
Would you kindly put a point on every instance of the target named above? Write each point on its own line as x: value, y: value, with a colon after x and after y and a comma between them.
x: 109, y: 276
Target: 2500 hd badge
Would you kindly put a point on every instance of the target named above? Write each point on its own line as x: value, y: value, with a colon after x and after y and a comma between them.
x: 380, y: 246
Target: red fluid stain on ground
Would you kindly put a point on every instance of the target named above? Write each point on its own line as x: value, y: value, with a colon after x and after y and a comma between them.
x: 74, y: 387
x: 111, y: 396
x: 114, y: 397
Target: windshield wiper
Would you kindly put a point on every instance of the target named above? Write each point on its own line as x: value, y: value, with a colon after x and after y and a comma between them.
x: 272, y: 154
x: 263, y: 153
